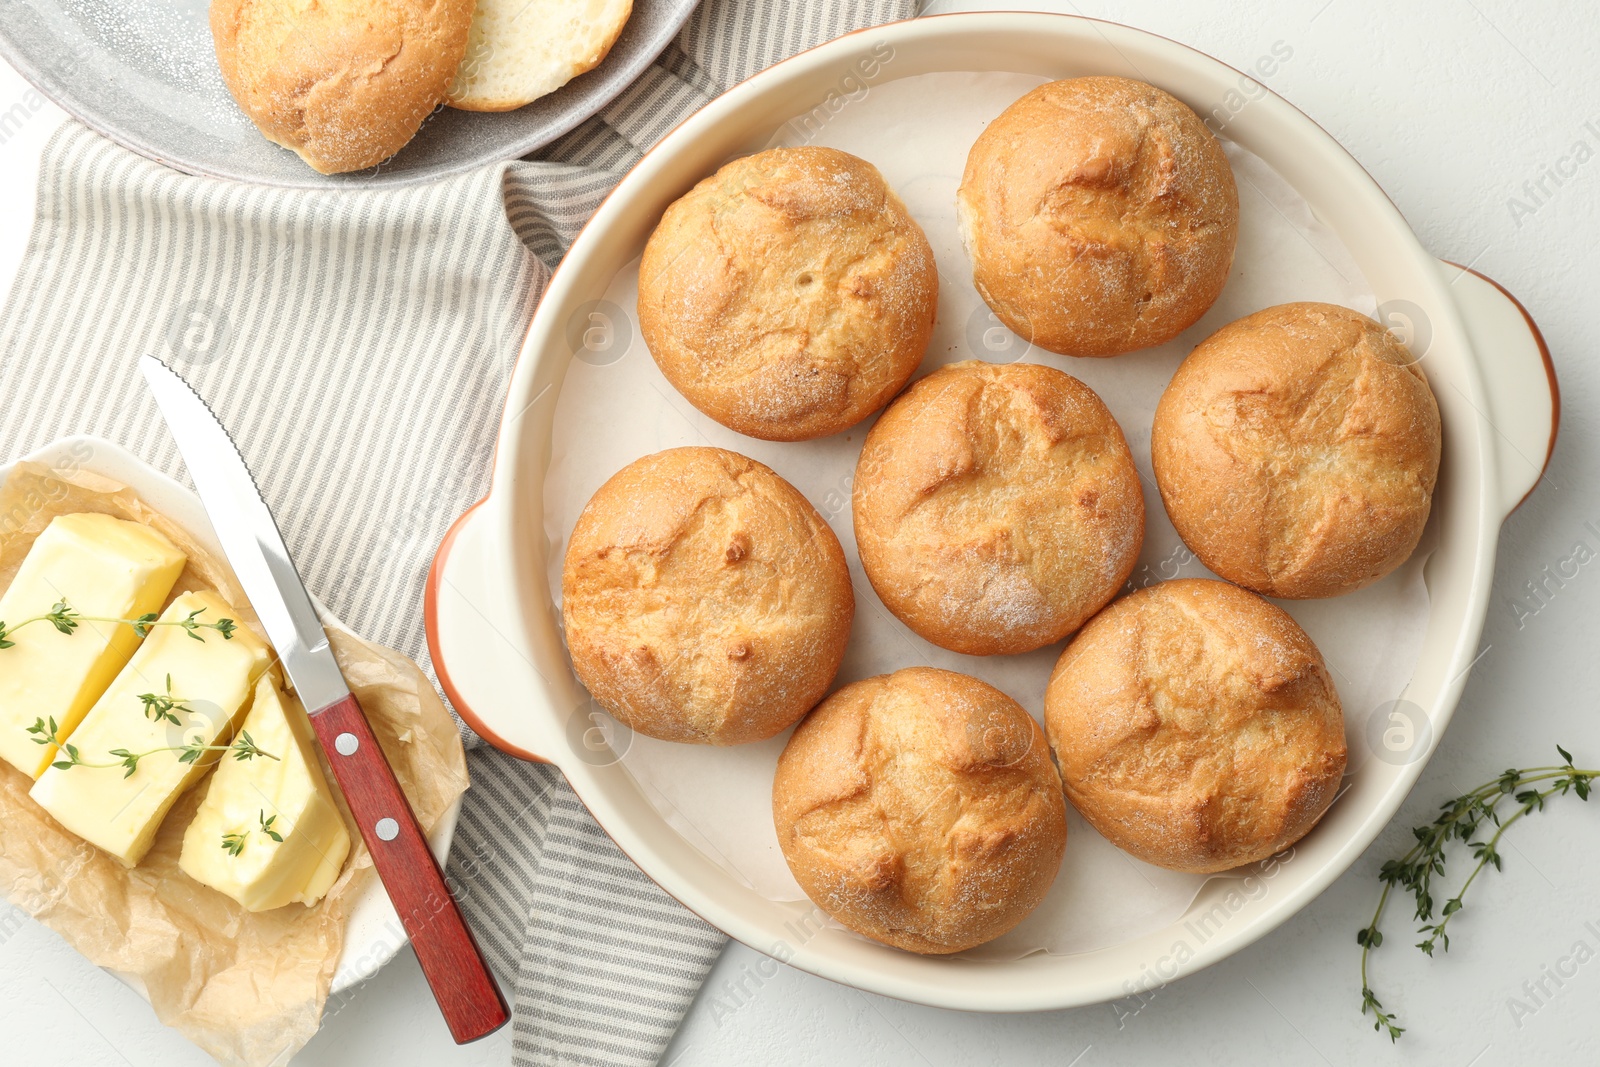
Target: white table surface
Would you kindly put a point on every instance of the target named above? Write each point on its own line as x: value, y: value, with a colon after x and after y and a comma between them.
x: 1452, y: 105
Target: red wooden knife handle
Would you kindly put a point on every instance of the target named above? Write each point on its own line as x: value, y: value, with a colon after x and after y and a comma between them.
x: 461, y: 981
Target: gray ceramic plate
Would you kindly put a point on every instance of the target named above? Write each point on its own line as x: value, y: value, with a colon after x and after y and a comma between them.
x: 143, y: 73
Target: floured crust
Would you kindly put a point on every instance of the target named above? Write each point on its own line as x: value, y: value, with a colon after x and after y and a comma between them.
x: 704, y: 599
x: 1101, y: 216
x: 343, y: 83
x: 1196, y: 726
x: 789, y: 295
x: 997, y: 507
x: 921, y: 809
x: 1297, y: 451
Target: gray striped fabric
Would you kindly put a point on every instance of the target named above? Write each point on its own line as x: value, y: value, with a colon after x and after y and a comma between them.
x: 358, y: 344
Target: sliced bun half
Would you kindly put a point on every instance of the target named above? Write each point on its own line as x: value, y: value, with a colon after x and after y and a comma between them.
x: 520, y: 50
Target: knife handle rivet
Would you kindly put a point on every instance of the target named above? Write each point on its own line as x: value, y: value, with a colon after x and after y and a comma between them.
x: 387, y: 829
x: 346, y: 744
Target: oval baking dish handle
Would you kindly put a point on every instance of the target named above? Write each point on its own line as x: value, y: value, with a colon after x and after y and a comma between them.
x: 488, y: 678
x: 1523, y: 399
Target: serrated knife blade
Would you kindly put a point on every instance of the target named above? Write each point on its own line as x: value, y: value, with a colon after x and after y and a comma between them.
x: 250, y: 538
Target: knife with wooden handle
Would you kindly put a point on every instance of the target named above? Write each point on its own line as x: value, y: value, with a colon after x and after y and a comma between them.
x: 461, y: 981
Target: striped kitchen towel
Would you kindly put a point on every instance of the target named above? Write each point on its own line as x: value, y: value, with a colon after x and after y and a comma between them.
x: 359, y: 343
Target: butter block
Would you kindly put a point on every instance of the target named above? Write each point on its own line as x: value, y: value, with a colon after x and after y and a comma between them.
x: 101, y: 566
x: 228, y: 845
x: 213, y: 680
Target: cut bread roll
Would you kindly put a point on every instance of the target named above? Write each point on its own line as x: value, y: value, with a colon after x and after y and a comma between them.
x: 343, y: 83
x: 520, y: 50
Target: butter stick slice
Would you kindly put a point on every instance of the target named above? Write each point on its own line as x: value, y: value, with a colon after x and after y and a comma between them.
x: 213, y: 680
x: 101, y: 566
x: 232, y: 844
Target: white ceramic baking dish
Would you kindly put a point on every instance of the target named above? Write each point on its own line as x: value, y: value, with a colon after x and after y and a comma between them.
x: 374, y: 934
x: 494, y: 630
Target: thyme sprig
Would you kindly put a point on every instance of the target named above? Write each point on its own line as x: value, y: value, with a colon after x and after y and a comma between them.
x: 45, y: 732
x: 159, y: 708
x: 233, y: 844
x: 1460, y: 820
x: 66, y: 620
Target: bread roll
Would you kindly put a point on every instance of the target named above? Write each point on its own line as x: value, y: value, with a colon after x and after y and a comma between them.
x: 520, y: 50
x: 789, y: 295
x: 997, y: 507
x: 344, y: 83
x: 921, y: 809
x: 1297, y: 450
x: 1196, y: 726
x: 704, y: 599
x: 1100, y: 215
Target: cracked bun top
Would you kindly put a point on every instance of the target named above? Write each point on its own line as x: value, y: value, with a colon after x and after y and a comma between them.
x: 921, y: 809
x: 343, y: 83
x: 1297, y: 450
x: 1100, y: 215
x: 1196, y: 726
x: 704, y: 599
x: 997, y: 507
x: 789, y: 295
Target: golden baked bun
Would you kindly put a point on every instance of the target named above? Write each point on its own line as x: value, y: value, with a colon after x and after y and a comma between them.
x: 789, y: 295
x: 921, y: 809
x: 997, y: 507
x: 704, y: 599
x: 1296, y: 451
x: 1100, y: 215
x: 1196, y: 726
x: 344, y: 83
